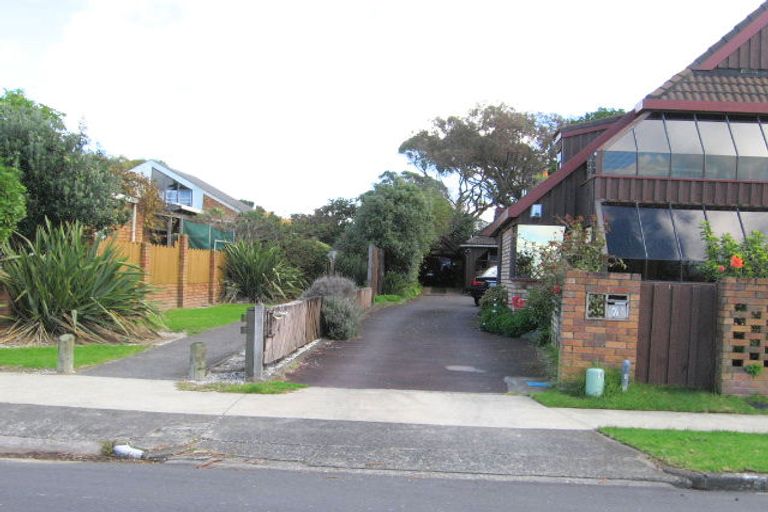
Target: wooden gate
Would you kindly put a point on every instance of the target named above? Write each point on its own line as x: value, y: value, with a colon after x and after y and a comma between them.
x: 677, y: 334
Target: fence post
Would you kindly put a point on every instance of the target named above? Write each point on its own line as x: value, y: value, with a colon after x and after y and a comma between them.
x: 213, y: 277
x: 144, y: 261
x: 254, y: 342
x: 181, y: 285
x: 197, y: 365
x: 66, y: 358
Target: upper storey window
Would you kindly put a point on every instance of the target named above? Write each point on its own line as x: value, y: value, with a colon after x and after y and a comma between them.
x: 691, y: 146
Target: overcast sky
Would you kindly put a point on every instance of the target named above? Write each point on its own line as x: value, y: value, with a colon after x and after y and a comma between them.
x: 291, y: 103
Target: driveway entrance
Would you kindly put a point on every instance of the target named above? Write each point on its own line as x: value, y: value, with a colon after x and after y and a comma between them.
x: 432, y: 343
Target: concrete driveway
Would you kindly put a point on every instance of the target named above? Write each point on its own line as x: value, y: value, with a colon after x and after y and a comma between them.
x: 432, y: 343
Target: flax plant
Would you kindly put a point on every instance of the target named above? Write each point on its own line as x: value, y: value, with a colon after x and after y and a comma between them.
x: 62, y: 270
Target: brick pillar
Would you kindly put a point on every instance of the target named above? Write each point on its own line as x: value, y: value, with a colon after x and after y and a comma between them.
x: 144, y: 261
x: 585, y: 341
x: 742, y: 327
x: 181, y: 284
x: 5, y: 308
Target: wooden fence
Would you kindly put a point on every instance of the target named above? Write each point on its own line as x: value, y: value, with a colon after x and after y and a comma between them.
x: 288, y: 327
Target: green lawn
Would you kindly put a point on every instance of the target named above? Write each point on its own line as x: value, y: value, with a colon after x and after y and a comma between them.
x: 197, y: 320
x: 46, y: 357
x: 271, y: 387
x: 388, y: 299
x: 644, y: 397
x: 699, y: 451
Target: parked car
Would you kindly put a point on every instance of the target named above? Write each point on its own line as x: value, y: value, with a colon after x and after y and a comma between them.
x: 478, y: 286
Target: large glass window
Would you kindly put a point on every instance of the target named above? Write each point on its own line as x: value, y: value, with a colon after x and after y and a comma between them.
x: 719, y: 151
x: 754, y: 221
x: 621, y: 157
x: 723, y: 221
x: 623, y: 234
x: 688, y: 228
x: 659, y: 234
x: 750, y: 144
x: 687, y: 153
x: 652, y: 148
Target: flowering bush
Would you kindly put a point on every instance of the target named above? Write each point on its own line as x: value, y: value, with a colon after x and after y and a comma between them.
x: 728, y: 258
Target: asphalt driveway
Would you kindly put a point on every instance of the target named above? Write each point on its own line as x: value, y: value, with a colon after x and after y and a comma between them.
x: 432, y: 343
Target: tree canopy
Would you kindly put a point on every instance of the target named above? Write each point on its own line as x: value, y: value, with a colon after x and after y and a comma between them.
x: 326, y: 223
x: 64, y: 181
x: 495, y: 152
x: 600, y: 113
x: 12, y: 202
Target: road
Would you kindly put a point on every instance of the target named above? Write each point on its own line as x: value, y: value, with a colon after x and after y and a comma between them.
x: 33, y: 486
x: 432, y: 343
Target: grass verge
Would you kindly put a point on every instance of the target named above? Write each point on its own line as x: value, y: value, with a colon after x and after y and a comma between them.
x: 41, y: 358
x: 197, y: 320
x: 716, y: 452
x: 388, y: 299
x: 270, y: 387
x: 645, y: 397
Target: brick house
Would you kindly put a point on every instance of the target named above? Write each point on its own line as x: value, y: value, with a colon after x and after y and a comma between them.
x: 692, y: 150
x: 185, y: 197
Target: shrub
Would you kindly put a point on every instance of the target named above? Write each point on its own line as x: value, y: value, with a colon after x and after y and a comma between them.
x: 259, y: 273
x: 61, y: 271
x: 504, y: 321
x: 494, y: 297
x: 332, y: 286
x: 340, y: 318
x: 395, y: 283
x: 307, y: 254
x: 352, y: 265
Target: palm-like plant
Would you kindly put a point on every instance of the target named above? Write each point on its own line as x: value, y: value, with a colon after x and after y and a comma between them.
x: 260, y: 273
x: 62, y: 271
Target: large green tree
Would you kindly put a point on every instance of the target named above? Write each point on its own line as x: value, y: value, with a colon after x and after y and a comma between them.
x: 397, y: 216
x: 326, y: 223
x: 596, y: 115
x: 494, y: 152
x: 12, y: 202
x: 64, y: 180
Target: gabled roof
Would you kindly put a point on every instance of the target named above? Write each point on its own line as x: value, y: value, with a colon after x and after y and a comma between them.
x: 731, y: 76
x: 207, y: 188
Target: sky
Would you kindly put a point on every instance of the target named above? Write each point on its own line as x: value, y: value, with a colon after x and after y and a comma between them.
x: 292, y: 103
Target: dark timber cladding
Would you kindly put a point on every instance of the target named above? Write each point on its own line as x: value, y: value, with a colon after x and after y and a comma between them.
x: 572, y: 196
x: 681, y: 191
x: 677, y: 336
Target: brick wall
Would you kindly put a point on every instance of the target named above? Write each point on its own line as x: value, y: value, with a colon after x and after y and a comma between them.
x: 4, y: 309
x: 742, y: 327
x: 125, y: 232
x: 584, y: 341
x: 209, y: 202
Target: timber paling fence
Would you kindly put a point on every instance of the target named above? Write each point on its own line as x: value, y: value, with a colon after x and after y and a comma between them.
x: 290, y: 326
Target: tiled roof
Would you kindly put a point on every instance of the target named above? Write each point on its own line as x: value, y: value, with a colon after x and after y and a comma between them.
x: 715, y: 86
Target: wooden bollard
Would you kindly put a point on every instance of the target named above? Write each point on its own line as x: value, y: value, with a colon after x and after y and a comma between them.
x: 197, y: 365
x: 66, y: 360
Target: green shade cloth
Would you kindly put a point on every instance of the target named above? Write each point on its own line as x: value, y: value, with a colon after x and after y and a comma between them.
x: 205, y: 236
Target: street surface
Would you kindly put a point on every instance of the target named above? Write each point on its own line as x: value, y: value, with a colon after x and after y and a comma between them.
x: 33, y: 486
x: 432, y: 343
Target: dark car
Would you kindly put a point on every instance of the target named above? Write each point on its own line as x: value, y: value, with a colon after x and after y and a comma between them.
x: 481, y: 283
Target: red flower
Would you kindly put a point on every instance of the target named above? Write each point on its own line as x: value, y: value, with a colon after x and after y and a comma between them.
x: 721, y: 268
x: 737, y: 262
x: 556, y: 289
x: 518, y: 302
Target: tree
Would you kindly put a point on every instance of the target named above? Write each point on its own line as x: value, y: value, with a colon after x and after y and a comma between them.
x: 397, y: 217
x: 12, y: 203
x: 259, y: 225
x: 494, y: 151
x: 139, y: 187
x: 63, y: 180
x: 600, y: 113
x: 326, y: 223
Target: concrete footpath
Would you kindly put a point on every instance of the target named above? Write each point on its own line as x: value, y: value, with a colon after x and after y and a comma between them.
x: 392, y: 430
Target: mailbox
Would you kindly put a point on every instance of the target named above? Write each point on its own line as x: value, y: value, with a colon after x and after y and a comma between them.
x: 617, y: 307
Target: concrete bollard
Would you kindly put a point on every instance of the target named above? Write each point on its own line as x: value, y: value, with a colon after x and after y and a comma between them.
x: 197, y: 365
x: 66, y: 360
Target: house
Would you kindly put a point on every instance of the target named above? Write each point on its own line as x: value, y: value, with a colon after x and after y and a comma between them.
x: 185, y: 198
x: 479, y: 255
x: 692, y: 150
